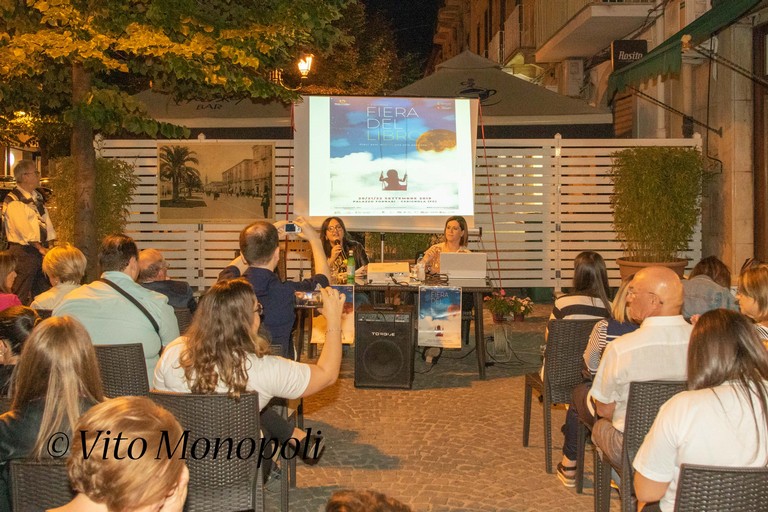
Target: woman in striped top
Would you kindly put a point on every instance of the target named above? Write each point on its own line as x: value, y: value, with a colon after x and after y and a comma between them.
x: 589, y: 296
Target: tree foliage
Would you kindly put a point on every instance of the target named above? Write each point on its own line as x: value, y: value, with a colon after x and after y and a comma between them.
x: 80, y: 60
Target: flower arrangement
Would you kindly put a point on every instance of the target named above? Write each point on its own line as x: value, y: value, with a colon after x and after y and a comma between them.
x: 499, y: 304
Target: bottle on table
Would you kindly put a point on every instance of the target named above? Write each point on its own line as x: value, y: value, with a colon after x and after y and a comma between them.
x: 351, y: 267
x: 420, y: 268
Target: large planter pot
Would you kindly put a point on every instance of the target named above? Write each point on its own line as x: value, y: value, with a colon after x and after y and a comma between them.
x: 498, y: 318
x: 629, y: 267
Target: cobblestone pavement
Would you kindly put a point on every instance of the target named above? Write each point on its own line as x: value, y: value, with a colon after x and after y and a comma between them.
x: 452, y: 443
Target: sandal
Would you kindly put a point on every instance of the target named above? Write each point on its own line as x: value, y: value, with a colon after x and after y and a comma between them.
x: 568, y: 481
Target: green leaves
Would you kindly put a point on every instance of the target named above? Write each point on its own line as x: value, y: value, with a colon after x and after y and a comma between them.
x: 656, y: 199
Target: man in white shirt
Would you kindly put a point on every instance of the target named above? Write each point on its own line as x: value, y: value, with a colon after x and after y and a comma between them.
x: 29, y: 231
x: 656, y: 351
x: 112, y: 318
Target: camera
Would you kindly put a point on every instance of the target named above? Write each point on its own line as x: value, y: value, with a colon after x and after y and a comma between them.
x: 292, y: 228
x: 308, y: 300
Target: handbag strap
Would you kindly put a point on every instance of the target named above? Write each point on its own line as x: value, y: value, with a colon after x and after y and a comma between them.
x: 138, y: 305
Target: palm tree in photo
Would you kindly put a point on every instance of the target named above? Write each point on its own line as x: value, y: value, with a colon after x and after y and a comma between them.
x: 174, y: 167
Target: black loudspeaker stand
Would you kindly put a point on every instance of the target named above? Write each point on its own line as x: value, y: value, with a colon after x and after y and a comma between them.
x: 385, y: 341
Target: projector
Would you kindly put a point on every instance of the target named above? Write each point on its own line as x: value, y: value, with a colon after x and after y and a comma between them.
x: 389, y: 273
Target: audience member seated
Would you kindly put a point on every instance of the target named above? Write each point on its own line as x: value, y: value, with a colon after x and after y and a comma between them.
x: 455, y: 238
x: 7, y: 277
x: 753, y: 298
x: 708, y: 287
x: 260, y: 253
x: 364, y: 501
x: 118, y: 482
x: 16, y: 323
x: 64, y: 265
x: 604, y: 332
x: 117, y: 310
x: 655, y: 351
x: 57, y: 379
x: 589, y: 294
x: 153, y: 275
x: 337, y: 244
x: 721, y: 420
x: 223, y: 353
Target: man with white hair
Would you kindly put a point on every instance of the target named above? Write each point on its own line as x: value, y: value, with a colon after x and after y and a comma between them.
x: 153, y: 275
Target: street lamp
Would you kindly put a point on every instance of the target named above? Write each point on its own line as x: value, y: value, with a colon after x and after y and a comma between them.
x: 304, y: 65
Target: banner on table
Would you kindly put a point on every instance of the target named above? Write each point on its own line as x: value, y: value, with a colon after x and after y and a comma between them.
x: 440, y: 316
x: 319, y: 323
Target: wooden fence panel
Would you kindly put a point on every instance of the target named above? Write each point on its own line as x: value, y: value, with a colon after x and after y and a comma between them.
x: 538, y: 204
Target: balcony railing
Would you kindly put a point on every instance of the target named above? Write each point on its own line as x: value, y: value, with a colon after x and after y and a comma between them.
x: 518, y: 30
x: 552, y: 16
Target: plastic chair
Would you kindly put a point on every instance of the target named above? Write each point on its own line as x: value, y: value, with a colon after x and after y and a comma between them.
x: 37, y: 486
x: 123, y: 369
x: 563, y: 359
x: 643, y: 403
x: 721, y: 489
x: 219, y: 482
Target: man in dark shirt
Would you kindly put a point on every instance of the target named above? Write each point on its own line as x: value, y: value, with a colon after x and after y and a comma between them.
x: 259, y: 256
x: 153, y: 275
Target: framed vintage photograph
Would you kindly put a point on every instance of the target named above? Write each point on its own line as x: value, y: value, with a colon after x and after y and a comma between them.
x: 201, y: 181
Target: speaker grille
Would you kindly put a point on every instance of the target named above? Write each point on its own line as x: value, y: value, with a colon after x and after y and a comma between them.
x: 384, y: 348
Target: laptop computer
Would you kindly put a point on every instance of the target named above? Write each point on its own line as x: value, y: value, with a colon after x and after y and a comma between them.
x: 464, y: 268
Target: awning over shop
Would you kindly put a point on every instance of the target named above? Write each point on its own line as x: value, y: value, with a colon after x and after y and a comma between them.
x: 667, y: 57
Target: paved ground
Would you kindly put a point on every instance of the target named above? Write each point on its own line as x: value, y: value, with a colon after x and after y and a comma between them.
x: 452, y: 443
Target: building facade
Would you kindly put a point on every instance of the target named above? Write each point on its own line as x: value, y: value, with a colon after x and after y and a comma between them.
x: 704, y: 69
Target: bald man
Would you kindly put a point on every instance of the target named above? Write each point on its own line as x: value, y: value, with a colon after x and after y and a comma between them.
x: 656, y: 351
x: 153, y: 275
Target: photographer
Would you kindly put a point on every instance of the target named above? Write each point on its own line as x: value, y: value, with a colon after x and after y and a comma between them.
x: 259, y: 256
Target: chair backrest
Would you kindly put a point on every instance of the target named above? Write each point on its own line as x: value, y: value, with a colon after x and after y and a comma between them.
x: 123, y: 369
x: 39, y: 485
x: 224, y: 481
x: 44, y: 313
x: 184, y: 318
x: 564, y: 356
x: 721, y: 489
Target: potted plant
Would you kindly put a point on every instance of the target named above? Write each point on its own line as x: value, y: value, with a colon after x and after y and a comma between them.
x: 521, y: 307
x: 656, y: 204
x: 498, y: 304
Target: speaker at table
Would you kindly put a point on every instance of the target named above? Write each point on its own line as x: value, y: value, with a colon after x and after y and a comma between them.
x: 385, y: 341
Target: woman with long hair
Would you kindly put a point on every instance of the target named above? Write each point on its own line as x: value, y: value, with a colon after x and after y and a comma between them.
x: 337, y: 243
x: 455, y: 238
x: 7, y: 277
x: 722, y: 420
x: 588, y: 297
x: 223, y: 352
x: 57, y: 379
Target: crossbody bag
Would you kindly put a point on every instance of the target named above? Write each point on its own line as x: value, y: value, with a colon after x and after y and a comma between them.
x: 138, y: 305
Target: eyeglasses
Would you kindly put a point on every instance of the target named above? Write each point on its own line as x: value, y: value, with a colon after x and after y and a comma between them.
x: 633, y: 293
x: 258, y: 309
x: 337, y: 229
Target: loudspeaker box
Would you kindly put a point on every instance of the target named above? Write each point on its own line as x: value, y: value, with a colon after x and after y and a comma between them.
x: 384, y: 347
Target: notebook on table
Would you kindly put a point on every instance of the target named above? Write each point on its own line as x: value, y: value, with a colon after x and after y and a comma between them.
x: 464, y: 268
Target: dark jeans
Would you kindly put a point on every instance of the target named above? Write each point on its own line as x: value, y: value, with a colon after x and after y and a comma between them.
x: 30, y: 280
x: 577, y: 412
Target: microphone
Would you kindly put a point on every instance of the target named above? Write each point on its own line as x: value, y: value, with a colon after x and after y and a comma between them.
x: 337, y: 242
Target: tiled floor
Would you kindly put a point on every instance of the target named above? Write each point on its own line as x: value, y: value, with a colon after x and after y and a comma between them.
x: 452, y: 443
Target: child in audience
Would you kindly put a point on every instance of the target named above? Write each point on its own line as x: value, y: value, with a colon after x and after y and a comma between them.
x: 16, y: 323
x: 57, y: 379
x: 722, y: 420
x: 7, y: 277
x: 118, y: 482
